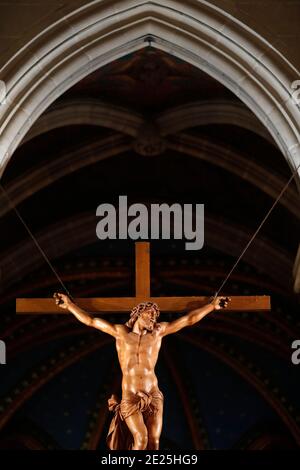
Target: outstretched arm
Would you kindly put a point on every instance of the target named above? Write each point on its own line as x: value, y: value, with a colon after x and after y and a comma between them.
x: 63, y: 301
x: 194, y: 316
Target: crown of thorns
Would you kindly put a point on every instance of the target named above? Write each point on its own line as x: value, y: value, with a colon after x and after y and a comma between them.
x: 139, y: 309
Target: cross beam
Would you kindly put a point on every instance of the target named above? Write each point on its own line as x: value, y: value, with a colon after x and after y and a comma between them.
x: 142, y: 284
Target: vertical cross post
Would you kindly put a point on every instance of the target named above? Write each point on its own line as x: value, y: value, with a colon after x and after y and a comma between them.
x: 142, y: 270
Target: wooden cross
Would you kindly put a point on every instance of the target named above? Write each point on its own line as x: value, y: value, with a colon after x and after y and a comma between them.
x: 142, y: 289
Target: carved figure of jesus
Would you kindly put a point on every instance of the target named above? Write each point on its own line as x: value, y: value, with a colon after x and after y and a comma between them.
x: 138, y: 418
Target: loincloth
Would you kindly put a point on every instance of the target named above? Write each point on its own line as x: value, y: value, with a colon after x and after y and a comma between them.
x: 119, y: 436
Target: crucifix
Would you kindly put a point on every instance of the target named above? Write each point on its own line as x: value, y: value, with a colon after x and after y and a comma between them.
x: 137, y: 420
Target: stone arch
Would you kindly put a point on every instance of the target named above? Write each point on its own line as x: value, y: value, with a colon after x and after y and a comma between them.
x: 95, y: 112
x: 197, y: 32
x: 41, y: 176
x: 87, y: 112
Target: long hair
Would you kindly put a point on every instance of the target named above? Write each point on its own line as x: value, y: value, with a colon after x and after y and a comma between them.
x: 138, y: 310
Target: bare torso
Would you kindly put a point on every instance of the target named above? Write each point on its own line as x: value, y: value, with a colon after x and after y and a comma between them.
x: 138, y: 356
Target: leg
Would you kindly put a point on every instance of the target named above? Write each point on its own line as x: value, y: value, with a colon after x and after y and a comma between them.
x: 136, y: 426
x: 154, y: 427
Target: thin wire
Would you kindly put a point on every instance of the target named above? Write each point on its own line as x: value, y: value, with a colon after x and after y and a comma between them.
x: 258, y: 229
x: 34, y: 240
x: 226, y: 278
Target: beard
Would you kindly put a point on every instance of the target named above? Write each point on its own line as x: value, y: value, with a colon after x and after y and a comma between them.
x: 149, y: 327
